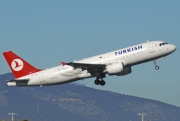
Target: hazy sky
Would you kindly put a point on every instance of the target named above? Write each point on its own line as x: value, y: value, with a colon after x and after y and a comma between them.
x: 46, y: 32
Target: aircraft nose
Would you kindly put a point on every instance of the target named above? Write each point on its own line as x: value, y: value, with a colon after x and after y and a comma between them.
x: 173, y: 48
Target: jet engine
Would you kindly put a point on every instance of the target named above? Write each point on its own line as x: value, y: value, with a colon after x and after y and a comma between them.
x: 118, y: 69
x: 127, y: 70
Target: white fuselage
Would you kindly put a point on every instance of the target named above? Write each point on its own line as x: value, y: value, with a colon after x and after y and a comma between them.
x: 130, y: 56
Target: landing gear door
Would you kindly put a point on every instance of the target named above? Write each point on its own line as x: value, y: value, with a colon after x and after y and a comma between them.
x: 151, y: 47
x: 41, y: 78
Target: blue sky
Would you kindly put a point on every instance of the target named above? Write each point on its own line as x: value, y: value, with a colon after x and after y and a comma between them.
x: 47, y: 32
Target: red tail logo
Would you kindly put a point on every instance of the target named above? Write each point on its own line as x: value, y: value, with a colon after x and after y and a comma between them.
x: 18, y: 66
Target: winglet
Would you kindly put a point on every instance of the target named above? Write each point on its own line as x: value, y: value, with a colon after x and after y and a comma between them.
x: 63, y: 63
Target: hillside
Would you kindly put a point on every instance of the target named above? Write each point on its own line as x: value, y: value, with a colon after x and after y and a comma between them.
x: 72, y: 102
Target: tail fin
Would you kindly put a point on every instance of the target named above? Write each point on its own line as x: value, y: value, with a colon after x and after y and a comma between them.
x: 18, y: 66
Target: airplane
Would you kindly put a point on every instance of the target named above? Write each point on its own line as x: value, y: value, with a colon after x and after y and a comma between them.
x: 118, y: 62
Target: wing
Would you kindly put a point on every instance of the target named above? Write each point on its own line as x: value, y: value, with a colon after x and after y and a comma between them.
x: 85, y: 66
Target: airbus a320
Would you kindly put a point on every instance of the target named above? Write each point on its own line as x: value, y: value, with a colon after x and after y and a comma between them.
x: 118, y: 62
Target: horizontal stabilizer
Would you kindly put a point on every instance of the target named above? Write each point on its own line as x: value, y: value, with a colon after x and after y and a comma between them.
x: 18, y: 80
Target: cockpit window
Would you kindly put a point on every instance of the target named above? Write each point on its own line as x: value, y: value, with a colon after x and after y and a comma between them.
x: 164, y: 43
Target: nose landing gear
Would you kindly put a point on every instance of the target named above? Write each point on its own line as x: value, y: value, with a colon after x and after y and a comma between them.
x: 156, y: 66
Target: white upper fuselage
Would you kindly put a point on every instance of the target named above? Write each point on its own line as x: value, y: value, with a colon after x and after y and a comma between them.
x: 130, y: 56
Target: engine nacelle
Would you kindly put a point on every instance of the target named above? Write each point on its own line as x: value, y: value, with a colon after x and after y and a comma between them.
x: 118, y: 69
x: 127, y: 70
x: 114, y: 69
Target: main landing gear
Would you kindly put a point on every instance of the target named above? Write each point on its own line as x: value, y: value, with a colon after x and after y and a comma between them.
x: 156, y: 66
x: 99, y: 79
x: 100, y: 82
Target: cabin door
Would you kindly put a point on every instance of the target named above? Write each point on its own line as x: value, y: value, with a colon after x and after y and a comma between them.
x: 151, y: 47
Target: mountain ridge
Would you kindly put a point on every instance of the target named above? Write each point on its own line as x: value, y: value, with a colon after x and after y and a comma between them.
x: 76, y: 102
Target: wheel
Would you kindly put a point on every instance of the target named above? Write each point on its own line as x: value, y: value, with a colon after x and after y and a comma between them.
x: 157, y: 67
x: 102, y: 82
x: 97, y: 82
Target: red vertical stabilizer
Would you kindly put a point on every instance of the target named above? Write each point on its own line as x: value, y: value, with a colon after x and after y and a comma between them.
x: 18, y: 66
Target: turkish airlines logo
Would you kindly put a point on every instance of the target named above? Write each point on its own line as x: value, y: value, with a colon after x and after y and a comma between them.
x: 17, y: 64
